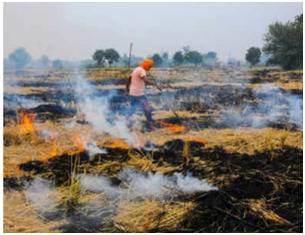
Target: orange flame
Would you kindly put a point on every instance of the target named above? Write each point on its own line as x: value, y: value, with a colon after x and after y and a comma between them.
x: 172, y: 127
x: 116, y: 143
x: 79, y: 142
x: 26, y: 122
x: 55, y: 149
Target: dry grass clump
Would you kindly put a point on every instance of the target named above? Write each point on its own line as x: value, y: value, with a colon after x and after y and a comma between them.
x: 33, y: 145
x: 20, y: 216
x: 145, y: 163
x: 109, y: 167
x: 26, y: 90
x: 150, y: 215
x: 101, y: 74
x: 259, y: 207
x: 287, y: 86
x: 248, y: 140
x: 287, y: 80
x: 240, y: 140
x: 115, y: 143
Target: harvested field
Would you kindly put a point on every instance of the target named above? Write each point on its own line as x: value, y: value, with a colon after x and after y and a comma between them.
x: 226, y: 153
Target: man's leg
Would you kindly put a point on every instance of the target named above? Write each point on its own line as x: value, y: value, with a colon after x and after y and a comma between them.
x: 147, y: 111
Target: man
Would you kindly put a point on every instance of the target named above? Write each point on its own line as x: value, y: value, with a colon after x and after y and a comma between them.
x: 136, y: 88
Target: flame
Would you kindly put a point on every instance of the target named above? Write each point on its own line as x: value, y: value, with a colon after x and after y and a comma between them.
x: 55, y: 149
x: 79, y: 142
x: 116, y: 143
x: 172, y: 127
x: 26, y: 122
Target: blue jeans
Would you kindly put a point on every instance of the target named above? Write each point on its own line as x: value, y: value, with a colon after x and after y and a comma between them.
x: 141, y: 102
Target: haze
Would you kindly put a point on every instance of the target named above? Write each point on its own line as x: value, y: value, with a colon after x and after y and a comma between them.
x: 73, y: 31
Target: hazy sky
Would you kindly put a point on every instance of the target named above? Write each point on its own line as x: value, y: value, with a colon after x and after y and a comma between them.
x: 74, y: 30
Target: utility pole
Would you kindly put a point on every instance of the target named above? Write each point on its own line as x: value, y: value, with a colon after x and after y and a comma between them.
x: 130, y: 49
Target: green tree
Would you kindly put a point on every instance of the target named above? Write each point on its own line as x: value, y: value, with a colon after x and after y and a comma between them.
x: 44, y: 60
x: 165, y: 58
x: 178, y: 58
x: 111, y: 56
x: 157, y: 59
x: 19, y: 58
x: 253, y: 55
x: 99, y: 57
x: 209, y: 59
x: 284, y: 43
x: 212, y: 55
x: 193, y: 57
x: 57, y: 64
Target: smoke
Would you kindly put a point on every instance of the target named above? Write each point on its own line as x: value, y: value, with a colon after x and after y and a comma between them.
x: 46, y: 134
x: 93, y: 150
x: 16, y: 101
x: 144, y: 185
x: 189, y: 184
x: 272, y: 105
x: 41, y: 194
x: 98, y: 114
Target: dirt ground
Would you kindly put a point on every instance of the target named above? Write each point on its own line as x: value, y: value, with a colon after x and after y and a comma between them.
x: 237, y: 130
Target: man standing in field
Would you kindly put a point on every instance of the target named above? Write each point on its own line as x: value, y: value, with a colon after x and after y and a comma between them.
x: 136, y: 88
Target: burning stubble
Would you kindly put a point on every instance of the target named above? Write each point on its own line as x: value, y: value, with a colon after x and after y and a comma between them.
x: 274, y: 105
x: 135, y: 185
x: 98, y: 114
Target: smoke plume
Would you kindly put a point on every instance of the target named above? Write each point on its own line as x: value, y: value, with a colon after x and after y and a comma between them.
x: 136, y: 184
x: 98, y: 114
x: 272, y: 106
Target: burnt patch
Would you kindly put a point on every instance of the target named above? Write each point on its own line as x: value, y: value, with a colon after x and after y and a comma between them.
x: 52, y: 111
x: 16, y: 183
x: 61, y: 168
x: 272, y: 177
x: 110, y: 81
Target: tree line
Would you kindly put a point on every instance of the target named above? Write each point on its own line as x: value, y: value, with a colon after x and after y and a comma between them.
x: 187, y: 56
x: 283, y: 46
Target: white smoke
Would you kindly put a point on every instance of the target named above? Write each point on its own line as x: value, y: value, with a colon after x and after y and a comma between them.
x: 98, y: 114
x: 46, y: 134
x: 273, y: 106
x: 92, y: 150
x: 16, y: 101
x: 41, y: 194
x: 140, y: 185
x: 99, y: 184
x: 189, y: 184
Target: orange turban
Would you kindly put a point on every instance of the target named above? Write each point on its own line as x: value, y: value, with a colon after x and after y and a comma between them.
x: 147, y: 64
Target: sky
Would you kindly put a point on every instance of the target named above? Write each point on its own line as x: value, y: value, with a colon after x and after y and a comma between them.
x: 73, y: 31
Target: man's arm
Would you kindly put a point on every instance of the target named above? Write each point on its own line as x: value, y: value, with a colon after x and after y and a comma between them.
x: 150, y: 81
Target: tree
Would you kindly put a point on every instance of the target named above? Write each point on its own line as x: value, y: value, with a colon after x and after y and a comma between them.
x: 209, y: 59
x: 165, y: 58
x: 111, y: 56
x: 284, y: 43
x: 186, y: 49
x: 253, y: 55
x: 57, y: 64
x: 157, y: 59
x: 19, y: 58
x: 178, y: 58
x: 212, y: 55
x: 193, y: 57
x: 99, y: 57
x: 44, y: 61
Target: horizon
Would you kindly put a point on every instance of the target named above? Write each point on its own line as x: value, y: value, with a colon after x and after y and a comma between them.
x: 66, y: 31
